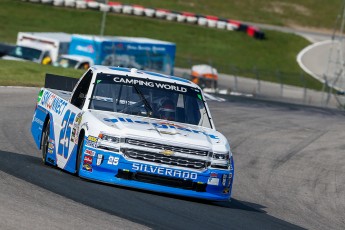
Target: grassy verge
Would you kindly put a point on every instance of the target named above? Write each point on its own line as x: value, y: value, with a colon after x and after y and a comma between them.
x: 307, y: 13
x: 14, y: 73
x: 224, y: 49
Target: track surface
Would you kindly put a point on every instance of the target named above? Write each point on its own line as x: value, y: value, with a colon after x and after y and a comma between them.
x: 289, y: 162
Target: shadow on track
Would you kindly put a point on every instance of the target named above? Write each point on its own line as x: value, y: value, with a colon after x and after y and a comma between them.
x: 148, y: 208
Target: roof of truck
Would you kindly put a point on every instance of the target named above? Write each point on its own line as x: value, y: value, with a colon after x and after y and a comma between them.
x: 76, y: 57
x: 122, y: 39
x: 59, y: 36
x: 142, y: 74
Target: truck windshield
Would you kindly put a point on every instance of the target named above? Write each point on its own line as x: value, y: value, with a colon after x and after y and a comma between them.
x: 26, y: 53
x: 149, y: 98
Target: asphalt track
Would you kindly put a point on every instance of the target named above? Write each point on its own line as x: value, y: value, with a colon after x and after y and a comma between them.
x: 289, y: 162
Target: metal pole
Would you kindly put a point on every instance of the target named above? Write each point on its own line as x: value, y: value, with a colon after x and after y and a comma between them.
x: 258, y: 89
x: 280, y: 79
x: 235, y: 78
x: 304, y: 88
x: 104, y: 17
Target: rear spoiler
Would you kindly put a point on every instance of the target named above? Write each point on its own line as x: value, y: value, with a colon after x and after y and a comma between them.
x: 53, y: 81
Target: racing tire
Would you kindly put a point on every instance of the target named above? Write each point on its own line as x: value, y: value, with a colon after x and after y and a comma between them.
x: 45, y: 142
x: 79, y: 154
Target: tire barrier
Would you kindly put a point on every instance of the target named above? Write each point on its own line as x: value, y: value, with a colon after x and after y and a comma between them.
x: 164, y: 14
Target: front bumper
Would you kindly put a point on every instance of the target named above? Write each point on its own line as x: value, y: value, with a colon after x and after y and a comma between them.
x: 114, y: 168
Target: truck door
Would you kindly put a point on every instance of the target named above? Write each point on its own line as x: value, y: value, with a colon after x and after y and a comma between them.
x: 83, y: 65
x: 80, y: 91
x: 67, y: 124
x: 46, y: 58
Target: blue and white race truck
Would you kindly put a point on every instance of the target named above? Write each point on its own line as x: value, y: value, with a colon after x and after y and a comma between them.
x: 131, y: 52
x: 134, y: 128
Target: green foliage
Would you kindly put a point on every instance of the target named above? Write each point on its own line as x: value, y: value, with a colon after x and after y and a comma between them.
x: 306, y: 13
x: 223, y: 49
x: 16, y: 73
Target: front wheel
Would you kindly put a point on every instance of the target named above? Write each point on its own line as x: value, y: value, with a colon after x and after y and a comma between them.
x: 45, y: 142
x: 80, y: 151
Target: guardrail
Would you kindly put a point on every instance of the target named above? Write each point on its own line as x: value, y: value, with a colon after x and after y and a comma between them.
x: 235, y: 84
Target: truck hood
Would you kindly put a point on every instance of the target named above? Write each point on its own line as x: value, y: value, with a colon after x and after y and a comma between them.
x: 161, y: 131
x: 7, y: 57
x: 78, y: 58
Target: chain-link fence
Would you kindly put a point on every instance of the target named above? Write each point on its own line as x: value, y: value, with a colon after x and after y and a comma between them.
x: 294, y: 87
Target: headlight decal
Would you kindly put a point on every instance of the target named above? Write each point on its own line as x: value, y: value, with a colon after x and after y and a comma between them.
x: 221, y: 156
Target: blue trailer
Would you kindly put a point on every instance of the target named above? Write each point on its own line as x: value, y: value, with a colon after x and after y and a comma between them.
x: 132, y: 52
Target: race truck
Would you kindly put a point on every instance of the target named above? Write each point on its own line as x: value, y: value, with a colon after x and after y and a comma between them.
x: 135, y: 129
x: 73, y: 61
x: 205, y: 76
x: 43, y: 48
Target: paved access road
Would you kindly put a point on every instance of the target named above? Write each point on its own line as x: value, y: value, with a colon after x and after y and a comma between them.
x: 289, y: 162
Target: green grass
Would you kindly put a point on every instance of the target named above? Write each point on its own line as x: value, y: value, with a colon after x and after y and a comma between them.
x: 195, y: 44
x: 15, y: 73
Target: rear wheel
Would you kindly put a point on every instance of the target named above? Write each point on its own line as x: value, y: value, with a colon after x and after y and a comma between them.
x: 45, y: 142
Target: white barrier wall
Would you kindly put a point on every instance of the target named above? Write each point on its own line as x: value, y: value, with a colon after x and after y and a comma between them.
x: 138, y: 10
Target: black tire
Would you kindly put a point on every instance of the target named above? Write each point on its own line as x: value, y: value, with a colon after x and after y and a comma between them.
x: 80, y: 151
x: 45, y: 142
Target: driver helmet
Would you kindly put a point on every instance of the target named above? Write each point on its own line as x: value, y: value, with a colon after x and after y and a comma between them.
x: 167, y: 109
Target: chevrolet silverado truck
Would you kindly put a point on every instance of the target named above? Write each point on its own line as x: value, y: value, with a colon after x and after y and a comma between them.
x: 134, y: 129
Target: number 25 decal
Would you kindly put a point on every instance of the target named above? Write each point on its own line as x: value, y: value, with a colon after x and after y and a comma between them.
x: 65, y: 133
x: 113, y: 160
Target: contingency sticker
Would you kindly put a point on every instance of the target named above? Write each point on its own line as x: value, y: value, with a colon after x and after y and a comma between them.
x: 91, y: 141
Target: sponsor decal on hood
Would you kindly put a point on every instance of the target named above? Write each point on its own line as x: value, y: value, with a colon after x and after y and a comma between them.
x: 162, y: 127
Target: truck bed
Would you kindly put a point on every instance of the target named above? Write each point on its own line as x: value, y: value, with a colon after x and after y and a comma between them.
x: 62, y: 83
x: 66, y: 95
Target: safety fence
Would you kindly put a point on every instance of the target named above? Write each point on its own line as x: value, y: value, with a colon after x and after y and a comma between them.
x: 292, y: 87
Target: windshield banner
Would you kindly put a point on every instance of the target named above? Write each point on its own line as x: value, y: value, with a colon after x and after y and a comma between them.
x: 148, y: 83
